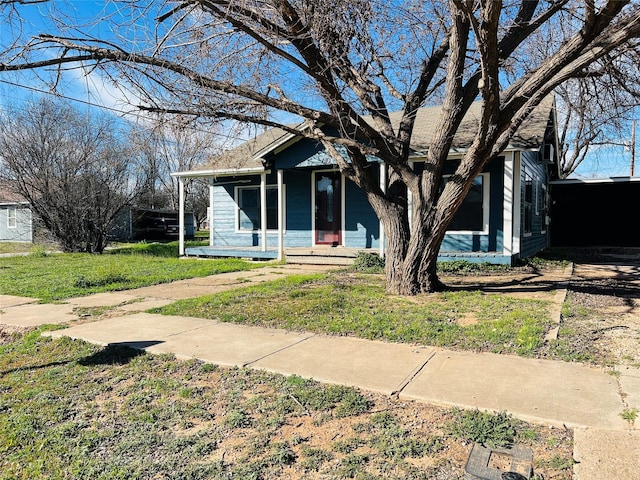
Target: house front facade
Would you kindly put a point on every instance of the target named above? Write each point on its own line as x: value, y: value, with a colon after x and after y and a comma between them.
x: 279, y: 193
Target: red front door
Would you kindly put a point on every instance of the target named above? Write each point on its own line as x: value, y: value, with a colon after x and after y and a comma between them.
x: 328, y: 194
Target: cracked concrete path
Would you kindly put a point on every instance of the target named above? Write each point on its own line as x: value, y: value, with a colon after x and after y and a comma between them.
x: 544, y: 391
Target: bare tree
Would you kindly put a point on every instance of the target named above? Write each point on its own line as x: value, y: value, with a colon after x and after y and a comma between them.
x: 174, y: 144
x: 73, y: 171
x: 342, y: 66
x: 595, y: 109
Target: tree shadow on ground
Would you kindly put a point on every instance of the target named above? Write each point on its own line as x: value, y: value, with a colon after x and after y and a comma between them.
x: 28, y: 368
x: 113, y: 354
x: 119, y: 353
x: 509, y: 284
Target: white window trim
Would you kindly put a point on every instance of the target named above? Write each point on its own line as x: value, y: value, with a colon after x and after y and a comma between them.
x: 485, y: 209
x: 11, y: 217
x: 236, y: 219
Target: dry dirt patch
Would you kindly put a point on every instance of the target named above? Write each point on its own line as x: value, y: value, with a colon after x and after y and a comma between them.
x: 603, y: 312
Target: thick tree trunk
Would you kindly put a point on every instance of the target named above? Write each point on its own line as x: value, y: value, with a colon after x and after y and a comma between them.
x: 398, y: 235
x: 411, y: 257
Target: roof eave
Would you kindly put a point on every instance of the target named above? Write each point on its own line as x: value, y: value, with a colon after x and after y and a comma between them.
x: 222, y: 172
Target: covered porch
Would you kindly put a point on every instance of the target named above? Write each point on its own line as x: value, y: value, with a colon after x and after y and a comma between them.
x: 260, y: 252
x: 268, y: 242
x: 317, y: 255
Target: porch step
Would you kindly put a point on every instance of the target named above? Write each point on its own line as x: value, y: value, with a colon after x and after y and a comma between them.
x: 321, y: 256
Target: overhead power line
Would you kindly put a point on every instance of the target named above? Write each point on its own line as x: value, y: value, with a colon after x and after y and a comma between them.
x: 103, y: 107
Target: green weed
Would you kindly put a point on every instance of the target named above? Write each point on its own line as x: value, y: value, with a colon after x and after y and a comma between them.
x: 494, y: 430
x: 238, y: 419
x: 556, y: 462
x: 630, y: 415
x: 315, y: 458
x: 352, y: 464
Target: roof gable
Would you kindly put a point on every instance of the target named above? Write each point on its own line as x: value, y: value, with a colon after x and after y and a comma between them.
x: 250, y: 155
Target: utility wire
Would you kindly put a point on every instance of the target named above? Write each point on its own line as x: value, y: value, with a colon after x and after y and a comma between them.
x: 103, y: 107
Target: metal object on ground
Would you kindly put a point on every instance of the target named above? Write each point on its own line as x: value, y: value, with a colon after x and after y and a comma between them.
x: 484, y: 463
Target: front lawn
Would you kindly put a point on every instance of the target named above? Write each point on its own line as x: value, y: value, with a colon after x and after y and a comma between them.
x: 356, y: 304
x: 53, y: 277
x: 71, y: 410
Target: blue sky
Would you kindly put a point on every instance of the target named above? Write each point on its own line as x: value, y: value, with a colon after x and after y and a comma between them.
x: 91, y: 91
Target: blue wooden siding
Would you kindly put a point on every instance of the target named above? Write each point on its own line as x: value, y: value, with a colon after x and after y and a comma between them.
x: 531, y: 244
x: 361, y: 224
x: 298, y: 211
x: 362, y: 227
x: 298, y: 208
x: 298, y: 156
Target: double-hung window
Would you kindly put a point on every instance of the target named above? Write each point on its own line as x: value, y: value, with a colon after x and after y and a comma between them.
x: 12, y: 217
x: 473, y: 214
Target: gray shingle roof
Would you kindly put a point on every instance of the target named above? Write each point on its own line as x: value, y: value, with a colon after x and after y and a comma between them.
x: 246, y: 155
x: 530, y: 135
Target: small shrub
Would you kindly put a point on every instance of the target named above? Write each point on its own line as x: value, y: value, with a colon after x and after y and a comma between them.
x: 494, y: 430
x: 367, y: 262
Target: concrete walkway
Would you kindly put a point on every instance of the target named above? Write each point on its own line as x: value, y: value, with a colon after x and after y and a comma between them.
x: 585, y: 398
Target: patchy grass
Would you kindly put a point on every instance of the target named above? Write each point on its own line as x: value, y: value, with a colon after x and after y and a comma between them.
x: 16, y: 247
x: 75, y: 410
x: 52, y: 277
x: 153, y: 249
x: 357, y: 304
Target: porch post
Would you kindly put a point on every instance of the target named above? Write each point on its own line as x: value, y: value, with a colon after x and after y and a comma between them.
x: 516, y: 216
x: 211, y: 211
x: 383, y: 187
x: 280, y: 215
x: 263, y: 209
x: 181, y: 216
x: 508, y: 205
